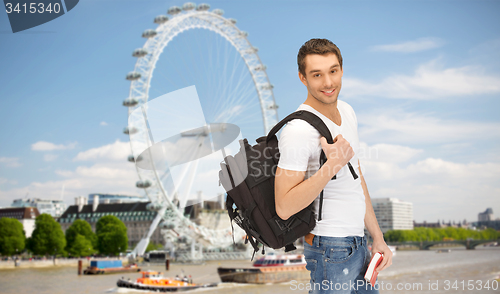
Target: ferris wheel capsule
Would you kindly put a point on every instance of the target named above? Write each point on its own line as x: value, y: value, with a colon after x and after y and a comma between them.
x: 188, y: 6
x: 154, y: 206
x: 167, y: 225
x: 232, y: 20
x: 251, y: 50
x: 132, y: 159
x: 143, y: 184
x: 260, y: 67
x: 161, y: 19
x: 273, y: 106
x: 141, y: 52
x: 130, y: 102
x: 132, y: 76
x: 218, y: 11
x: 174, y: 10
x: 203, y: 7
x: 267, y: 87
x: 129, y: 130
x: 149, y: 33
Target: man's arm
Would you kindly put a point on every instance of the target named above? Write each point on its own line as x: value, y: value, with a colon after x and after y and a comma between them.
x: 292, y: 193
x: 372, y: 226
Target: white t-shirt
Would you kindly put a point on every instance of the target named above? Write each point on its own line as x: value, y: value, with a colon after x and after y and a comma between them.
x: 344, y: 205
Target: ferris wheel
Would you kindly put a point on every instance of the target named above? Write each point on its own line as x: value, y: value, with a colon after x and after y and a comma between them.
x: 195, y: 46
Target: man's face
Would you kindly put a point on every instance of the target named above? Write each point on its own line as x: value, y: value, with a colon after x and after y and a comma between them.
x: 323, y: 77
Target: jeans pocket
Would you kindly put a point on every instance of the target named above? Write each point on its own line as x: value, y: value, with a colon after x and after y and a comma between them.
x: 339, y: 253
x: 311, y: 267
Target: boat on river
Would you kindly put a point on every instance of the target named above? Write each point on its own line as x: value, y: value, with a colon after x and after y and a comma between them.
x: 443, y: 250
x: 268, y: 269
x: 155, y: 281
x: 100, y: 267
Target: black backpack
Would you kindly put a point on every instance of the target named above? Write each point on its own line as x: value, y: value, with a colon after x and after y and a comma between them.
x: 250, y: 203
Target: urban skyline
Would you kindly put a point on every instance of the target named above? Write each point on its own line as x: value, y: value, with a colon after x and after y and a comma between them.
x: 425, y: 94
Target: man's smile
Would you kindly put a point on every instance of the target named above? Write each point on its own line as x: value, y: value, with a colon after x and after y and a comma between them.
x: 328, y: 93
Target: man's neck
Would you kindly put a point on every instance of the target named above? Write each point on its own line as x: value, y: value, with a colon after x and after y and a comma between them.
x: 328, y: 110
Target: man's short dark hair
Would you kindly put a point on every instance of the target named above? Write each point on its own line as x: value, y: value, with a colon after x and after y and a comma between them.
x: 316, y: 46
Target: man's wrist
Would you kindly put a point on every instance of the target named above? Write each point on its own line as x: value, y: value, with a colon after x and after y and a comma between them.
x: 331, y: 167
x: 378, y: 238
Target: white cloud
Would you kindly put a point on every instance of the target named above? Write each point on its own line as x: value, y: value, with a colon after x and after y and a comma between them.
x: 421, y: 44
x: 430, y: 81
x: 116, y: 178
x: 104, y: 171
x: 7, y: 181
x: 50, y: 157
x: 64, y: 173
x: 112, y: 173
x: 103, y: 123
x: 117, y: 151
x: 387, y: 153
x: 10, y: 161
x: 437, y: 188
x: 399, y: 127
x: 47, y: 146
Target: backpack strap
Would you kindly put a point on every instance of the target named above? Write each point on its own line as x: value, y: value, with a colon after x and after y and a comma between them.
x: 309, y: 117
x: 319, y: 125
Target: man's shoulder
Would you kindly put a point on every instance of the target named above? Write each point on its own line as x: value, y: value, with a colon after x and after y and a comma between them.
x: 299, y: 127
x: 344, y: 105
x: 299, y: 132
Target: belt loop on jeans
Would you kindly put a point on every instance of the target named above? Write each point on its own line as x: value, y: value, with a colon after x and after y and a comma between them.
x: 356, y: 241
x: 315, y: 241
x: 359, y: 241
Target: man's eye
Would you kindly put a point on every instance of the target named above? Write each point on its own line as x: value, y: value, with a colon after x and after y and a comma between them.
x: 316, y: 75
x: 334, y: 71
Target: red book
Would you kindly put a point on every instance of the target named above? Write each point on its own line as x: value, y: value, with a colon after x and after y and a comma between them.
x: 371, y: 273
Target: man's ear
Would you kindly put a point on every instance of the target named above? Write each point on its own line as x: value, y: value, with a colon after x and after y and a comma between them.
x: 303, y: 79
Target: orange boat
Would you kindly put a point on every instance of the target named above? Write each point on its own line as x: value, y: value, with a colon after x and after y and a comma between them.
x: 154, y: 281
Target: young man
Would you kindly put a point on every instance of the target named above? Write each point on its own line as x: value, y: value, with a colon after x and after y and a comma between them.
x: 335, y: 250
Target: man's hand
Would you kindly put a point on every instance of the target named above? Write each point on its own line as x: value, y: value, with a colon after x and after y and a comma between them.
x: 381, y: 246
x: 340, y: 152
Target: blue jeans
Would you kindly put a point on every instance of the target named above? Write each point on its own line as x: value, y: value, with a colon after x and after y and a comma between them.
x: 338, y: 265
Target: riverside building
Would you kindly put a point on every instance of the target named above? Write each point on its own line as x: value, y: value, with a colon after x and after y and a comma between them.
x: 26, y: 215
x: 115, y: 198
x: 136, y: 217
x: 53, y: 207
x: 393, y: 214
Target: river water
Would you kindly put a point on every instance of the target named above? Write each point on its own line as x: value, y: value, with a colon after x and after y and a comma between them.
x: 459, y: 271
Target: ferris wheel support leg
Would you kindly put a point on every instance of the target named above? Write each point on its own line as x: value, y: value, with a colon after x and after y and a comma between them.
x: 193, y: 253
x: 189, y: 184
x: 140, y: 248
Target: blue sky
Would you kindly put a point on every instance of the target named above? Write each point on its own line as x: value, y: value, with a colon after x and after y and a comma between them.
x: 422, y: 76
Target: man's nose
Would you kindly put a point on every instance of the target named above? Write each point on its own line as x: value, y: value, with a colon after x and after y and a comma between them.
x: 328, y: 81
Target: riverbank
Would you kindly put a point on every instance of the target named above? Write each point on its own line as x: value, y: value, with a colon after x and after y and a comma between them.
x: 421, y: 271
x: 47, y: 263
